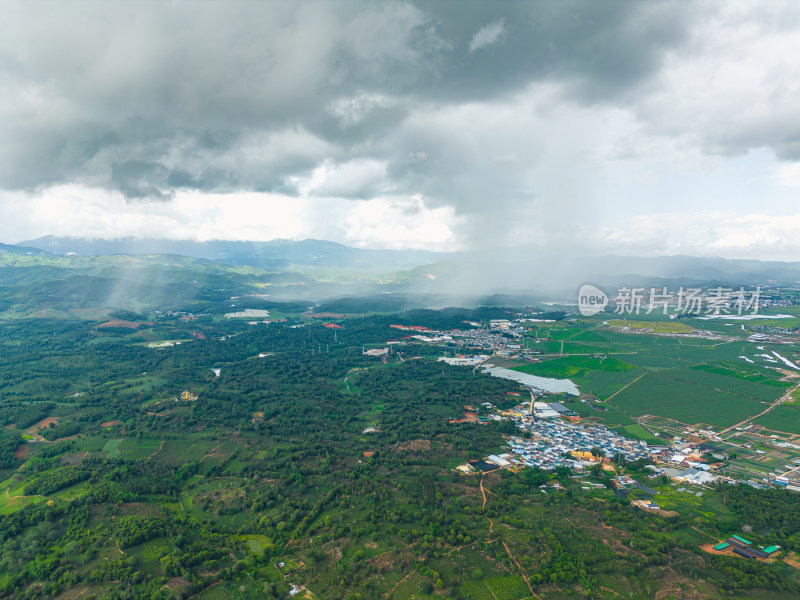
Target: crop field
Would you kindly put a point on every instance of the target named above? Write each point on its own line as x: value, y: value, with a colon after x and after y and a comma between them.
x: 604, y: 384
x: 542, y: 345
x: 781, y: 418
x: 12, y: 500
x: 72, y: 491
x: 687, y: 402
x: 149, y: 554
x: 742, y: 371
x: 688, y: 502
x: 112, y: 448
x: 742, y: 387
x: 589, y: 336
x: 671, y: 352
x: 574, y: 347
x: 574, y: 366
x: 693, y: 380
x: 599, y: 376
x: 558, y: 331
x: 92, y: 444
x: 243, y: 589
x: 509, y: 587
x: 179, y: 452
x: 639, y: 432
x: 136, y: 449
x: 142, y: 384
x: 655, y: 326
x: 409, y: 588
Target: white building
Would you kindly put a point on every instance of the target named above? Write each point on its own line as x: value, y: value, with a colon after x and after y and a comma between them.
x: 498, y: 460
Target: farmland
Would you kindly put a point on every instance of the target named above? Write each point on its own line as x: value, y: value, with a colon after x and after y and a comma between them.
x: 782, y: 418
x: 665, y: 396
x: 599, y: 376
x: 658, y: 368
x: 271, y: 464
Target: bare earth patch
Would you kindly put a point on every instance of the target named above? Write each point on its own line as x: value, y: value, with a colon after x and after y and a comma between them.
x: 467, y: 417
x: 45, y: 423
x: 710, y: 549
x: 119, y: 323
x: 792, y: 560
x: 176, y: 583
x: 110, y: 423
x: 22, y: 451
x: 73, y: 459
x: 413, y: 445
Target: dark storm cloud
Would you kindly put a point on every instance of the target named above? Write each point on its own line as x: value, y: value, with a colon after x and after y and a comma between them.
x: 601, y: 48
x: 502, y: 110
x: 146, y: 97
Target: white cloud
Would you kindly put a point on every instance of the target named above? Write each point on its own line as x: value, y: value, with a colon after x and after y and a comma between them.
x: 486, y: 36
x: 705, y: 233
x: 733, y: 87
x: 384, y: 222
x: 357, y: 178
x: 400, y: 223
x: 787, y: 175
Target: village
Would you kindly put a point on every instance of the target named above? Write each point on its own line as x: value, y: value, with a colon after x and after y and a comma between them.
x: 550, y: 441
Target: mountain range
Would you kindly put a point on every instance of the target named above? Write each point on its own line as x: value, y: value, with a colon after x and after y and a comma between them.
x: 140, y: 273
x: 274, y: 254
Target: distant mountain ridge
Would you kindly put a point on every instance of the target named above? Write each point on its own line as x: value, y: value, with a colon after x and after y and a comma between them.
x: 20, y: 249
x: 562, y: 275
x: 274, y: 254
x: 512, y: 270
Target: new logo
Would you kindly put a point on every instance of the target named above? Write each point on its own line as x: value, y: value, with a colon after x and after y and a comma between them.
x: 591, y: 300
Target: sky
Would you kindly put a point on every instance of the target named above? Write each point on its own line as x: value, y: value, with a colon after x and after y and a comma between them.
x: 647, y: 128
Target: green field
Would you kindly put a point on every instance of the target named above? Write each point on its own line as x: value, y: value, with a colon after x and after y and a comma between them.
x: 640, y: 433
x: 509, y: 587
x: 766, y: 390
x: 257, y: 543
x: 599, y: 376
x: 690, y: 379
x: 112, y: 448
x: 137, y: 449
x: 781, y: 418
x: 657, y: 394
x: 655, y: 326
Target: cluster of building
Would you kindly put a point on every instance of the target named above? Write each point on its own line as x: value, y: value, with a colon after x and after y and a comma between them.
x: 500, y: 336
x: 485, y: 339
x: 376, y: 352
x: 481, y: 339
x: 248, y: 313
x: 743, y: 547
x: 555, y: 442
x: 513, y: 328
x: 464, y: 361
x: 555, y: 429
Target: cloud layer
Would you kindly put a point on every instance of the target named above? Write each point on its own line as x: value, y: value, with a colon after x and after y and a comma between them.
x: 442, y: 125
